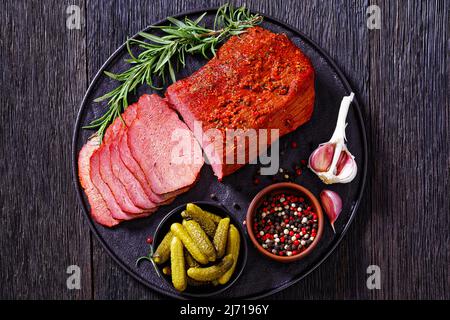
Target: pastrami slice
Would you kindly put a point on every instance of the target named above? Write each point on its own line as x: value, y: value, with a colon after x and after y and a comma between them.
x: 114, y: 184
x: 131, y: 184
x: 134, y: 167
x: 164, y: 147
x: 99, y: 210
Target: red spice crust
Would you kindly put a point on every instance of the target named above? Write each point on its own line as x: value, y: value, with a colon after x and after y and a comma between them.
x: 257, y: 80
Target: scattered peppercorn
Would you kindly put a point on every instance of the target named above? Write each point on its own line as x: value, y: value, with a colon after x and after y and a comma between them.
x: 149, y: 240
x: 236, y: 206
x: 213, y: 196
x: 294, y: 144
x: 285, y: 224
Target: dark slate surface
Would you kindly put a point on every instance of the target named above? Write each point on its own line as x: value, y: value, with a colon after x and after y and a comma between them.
x: 400, y: 74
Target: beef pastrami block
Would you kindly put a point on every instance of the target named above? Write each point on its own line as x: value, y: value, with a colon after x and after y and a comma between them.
x: 257, y: 80
x: 99, y: 210
x: 164, y: 147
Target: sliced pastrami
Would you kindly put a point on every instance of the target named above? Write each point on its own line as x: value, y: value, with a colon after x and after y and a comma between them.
x: 164, y: 147
x: 99, y: 210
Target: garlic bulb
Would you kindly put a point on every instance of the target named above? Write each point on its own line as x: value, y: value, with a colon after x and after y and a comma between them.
x: 332, y: 162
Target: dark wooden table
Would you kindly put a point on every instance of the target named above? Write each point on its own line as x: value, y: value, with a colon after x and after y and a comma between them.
x: 400, y: 74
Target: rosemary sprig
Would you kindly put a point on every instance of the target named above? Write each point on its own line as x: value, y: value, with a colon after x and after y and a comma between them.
x: 162, y: 55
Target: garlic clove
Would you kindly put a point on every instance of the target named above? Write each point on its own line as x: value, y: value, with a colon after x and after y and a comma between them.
x: 321, y: 159
x: 346, y: 167
x: 332, y: 205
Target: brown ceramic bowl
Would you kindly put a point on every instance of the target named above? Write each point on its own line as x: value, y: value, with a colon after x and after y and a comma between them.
x: 275, y: 189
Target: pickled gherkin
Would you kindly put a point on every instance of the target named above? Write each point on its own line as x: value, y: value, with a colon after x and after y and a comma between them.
x: 189, y: 260
x: 213, y: 272
x: 162, y: 253
x: 178, y: 270
x: 200, y: 238
x: 214, y: 217
x: 196, y: 213
x: 179, y: 231
x: 233, y: 247
x: 190, y: 207
x: 221, y: 236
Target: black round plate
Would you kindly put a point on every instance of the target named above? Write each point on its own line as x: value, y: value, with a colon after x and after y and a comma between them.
x: 207, y: 291
x: 127, y: 242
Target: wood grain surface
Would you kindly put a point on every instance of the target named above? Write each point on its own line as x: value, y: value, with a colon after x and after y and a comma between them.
x: 400, y: 74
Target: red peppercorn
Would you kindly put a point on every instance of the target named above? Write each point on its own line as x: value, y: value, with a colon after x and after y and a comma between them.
x: 298, y: 172
x: 298, y: 235
x: 296, y: 242
x: 286, y: 220
x: 291, y: 233
x: 294, y: 252
x: 282, y: 239
x: 294, y: 144
x: 149, y: 240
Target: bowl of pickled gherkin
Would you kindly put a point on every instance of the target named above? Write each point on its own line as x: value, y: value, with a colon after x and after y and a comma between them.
x: 199, y: 249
